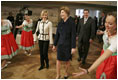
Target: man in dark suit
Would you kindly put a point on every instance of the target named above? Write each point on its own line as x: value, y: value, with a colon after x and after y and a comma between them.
x: 102, y: 21
x: 76, y: 21
x: 101, y: 25
x: 19, y: 21
x: 11, y: 18
x: 96, y: 22
x: 86, y: 34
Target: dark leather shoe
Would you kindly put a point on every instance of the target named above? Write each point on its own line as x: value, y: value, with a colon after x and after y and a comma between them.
x: 83, y: 62
x: 66, y: 77
x: 41, y: 68
x: 47, y: 66
x: 79, y: 59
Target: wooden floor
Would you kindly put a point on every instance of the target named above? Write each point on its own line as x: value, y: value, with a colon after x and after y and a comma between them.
x: 26, y: 67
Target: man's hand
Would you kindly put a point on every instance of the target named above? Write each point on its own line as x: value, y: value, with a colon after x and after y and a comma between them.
x: 73, y: 50
x: 51, y: 45
x: 101, y: 27
x: 76, y: 38
x: 90, y: 40
x: 17, y: 27
x: 100, y: 32
x: 35, y: 42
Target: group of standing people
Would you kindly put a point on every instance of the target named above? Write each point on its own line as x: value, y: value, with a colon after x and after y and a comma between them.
x: 64, y: 42
x: 18, y: 21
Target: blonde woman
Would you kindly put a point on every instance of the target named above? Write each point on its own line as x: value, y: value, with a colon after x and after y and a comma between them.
x: 44, y: 30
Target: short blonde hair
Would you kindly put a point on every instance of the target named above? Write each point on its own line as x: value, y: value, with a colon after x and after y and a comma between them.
x: 44, y: 12
x: 66, y: 9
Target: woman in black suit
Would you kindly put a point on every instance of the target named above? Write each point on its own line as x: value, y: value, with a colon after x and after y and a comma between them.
x: 65, y: 40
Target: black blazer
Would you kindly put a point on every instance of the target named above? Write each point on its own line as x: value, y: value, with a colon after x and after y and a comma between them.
x: 100, y: 23
x: 11, y: 18
x: 66, y: 33
x: 19, y: 19
x: 86, y: 31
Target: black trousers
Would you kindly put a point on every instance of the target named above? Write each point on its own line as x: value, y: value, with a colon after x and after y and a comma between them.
x: 83, y: 48
x: 100, y: 38
x: 15, y: 32
x: 44, y: 45
x: 12, y: 30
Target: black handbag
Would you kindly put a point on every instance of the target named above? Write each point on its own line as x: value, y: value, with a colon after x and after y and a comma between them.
x: 37, y: 33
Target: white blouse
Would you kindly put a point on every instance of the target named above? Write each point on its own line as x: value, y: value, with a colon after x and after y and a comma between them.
x: 6, y: 22
x: 113, y: 43
x: 27, y: 26
x: 25, y: 23
x: 6, y: 27
x: 45, y: 31
x: 110, y: 42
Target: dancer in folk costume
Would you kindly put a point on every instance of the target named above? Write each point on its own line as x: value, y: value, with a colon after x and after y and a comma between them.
x: 27, y: 42
x: 107, y: 62
x: 9, y: 48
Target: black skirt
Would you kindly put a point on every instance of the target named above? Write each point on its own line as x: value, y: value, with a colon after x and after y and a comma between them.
x: 63, y: 53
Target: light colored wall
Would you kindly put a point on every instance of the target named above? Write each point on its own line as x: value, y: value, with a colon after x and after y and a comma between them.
x: 54, y: 13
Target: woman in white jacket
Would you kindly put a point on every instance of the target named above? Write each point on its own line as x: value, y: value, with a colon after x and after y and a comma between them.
x: 44, y: 31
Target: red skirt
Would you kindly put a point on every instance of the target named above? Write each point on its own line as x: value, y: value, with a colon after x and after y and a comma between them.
x: 27, y: 40
x: 9, y: 47
x: 108, y: 68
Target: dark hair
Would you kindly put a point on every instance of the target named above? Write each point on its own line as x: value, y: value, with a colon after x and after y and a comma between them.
x: 86, y: 10
x: 114, y: 14
x: 10, y: 13
x: 29, y: 13
x: 103, y: 12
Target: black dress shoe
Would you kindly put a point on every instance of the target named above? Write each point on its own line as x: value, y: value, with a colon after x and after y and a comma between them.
x: 79, y: 59
x: 41, y: 68
x: 66, y: 77
x: 83, y: 62
x: 47, y: 66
